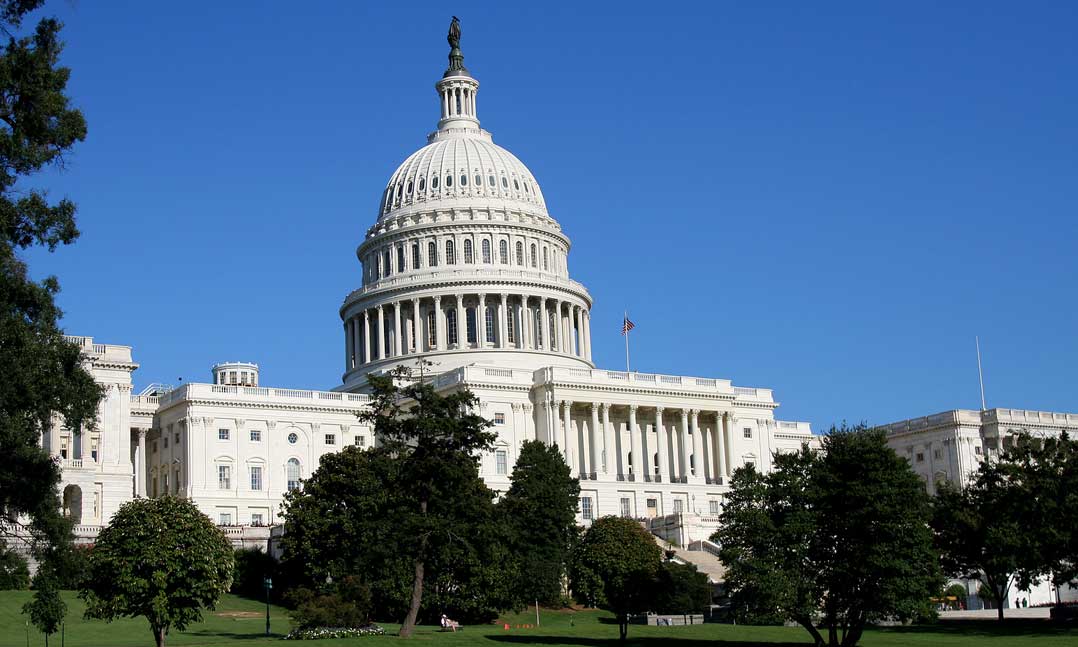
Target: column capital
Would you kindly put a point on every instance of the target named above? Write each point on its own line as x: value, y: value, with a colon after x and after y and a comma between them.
x: 565, y: 404
x: 141, y: 431
x: 438, y: 299
x: 694, y: 412
x: 632, y: 409
x: 659, y: 410
x: 594, y: 407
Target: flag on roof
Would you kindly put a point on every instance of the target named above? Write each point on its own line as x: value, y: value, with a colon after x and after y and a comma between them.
x: 627, y: 326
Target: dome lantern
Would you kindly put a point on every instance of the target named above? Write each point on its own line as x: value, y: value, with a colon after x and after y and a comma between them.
x: 457, y: 88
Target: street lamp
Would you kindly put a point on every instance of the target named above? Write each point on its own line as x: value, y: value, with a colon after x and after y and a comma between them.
x: 268, y: 584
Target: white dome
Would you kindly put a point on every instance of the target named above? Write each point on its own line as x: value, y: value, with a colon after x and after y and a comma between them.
x: 462, y: 164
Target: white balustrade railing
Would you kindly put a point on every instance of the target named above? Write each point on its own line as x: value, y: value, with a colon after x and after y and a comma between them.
x: 446, y: 274
x: 191, y: 391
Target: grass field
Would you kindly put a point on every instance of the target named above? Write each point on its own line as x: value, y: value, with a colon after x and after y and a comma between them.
x: 240, y: 623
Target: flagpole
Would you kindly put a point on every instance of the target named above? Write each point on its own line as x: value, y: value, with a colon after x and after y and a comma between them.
x: 980, y: 373
x: 626, y: 344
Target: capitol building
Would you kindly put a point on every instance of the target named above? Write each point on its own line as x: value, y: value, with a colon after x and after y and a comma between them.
x: 466, y: 268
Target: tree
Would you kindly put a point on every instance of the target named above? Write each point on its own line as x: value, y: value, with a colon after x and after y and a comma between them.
x: 46, y: 609
x: 252, y: 567
x: 158, y: 558
x: 681, y: 589
x: 347, y: 604
x: 615, y: 568
x: 14, y: 571
x: 841, y: 535
x: 43, y: 375
x: 540, y: 509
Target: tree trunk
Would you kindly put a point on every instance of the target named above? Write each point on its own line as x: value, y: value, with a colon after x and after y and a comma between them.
x: 623, y: 627
x: 809, y: 627
x: 158, y: 636
x: 408, y: 628
x: 999, y: 610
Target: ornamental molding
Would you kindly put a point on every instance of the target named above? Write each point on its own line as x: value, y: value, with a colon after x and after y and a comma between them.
x: 523, y: 287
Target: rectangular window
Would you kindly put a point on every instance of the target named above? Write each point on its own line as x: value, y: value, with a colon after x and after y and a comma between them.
x: 713, y: 507
x: 165, y: 439
x: 748, y: 432
x: 256, y: 477
x: 155, y: 446
x: 177, y: 438
x: 94, y: 442
x: 937, y: 454
x: 256, y: 518
x: 490, y: 325
x: 415, y: 256
x: 653, y: 507
x: 176, y: 482
x: 361, y: 441
x: 432, y: 330
x: 224, y: 477
x: 585, y: 508
x: 331, y: 439
x: 511, y: 326
x: 451, y: 326
x: 677, y: 506
x: 920, y: 457
x: 232, y: 377
x: 225, y: 519
x: 501, y: 462
x: 222, y: 434
x: 471, y: 325
x: 63, y: 448
x: 977, y: 449
x: 256, y: 436
x: 750, y: 462
x: 164, y: 482
x: 626, y: 510
x: 499, y: 418
x: 243, y: 377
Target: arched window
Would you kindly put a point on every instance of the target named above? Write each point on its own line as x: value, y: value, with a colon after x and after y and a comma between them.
x: 463, y: 179
x: 490, y: 180
x: 535, y: 258
x: 486, y: 251
x: 409, y: 191
x: 451, y: 325
x: 511, y: 324
x: 505, y: 183
x: 471, y: 326
x: 448, y: 181
x: 386, y: 264
x: 450, y: 257
x: 516, y: 185
x: 520, y: 254
x: 478, y: 181
x: 432, y: 254
x: 469, y: 258
x: 378, y: 262
x: 490, y: 324
x: 432, y: 329
x: 294, y: 473
x: 434, y: 182
x: 553, y: 337
x: 538, y: 328
x: 546, y: 264
x: 415, y: 256
x: 503, y: 252
x: 422, y: 183
x: 400, y: 258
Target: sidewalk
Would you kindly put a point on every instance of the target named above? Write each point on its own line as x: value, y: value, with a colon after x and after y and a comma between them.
x: 990, y: 614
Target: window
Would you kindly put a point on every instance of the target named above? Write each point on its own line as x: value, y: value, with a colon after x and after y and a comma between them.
x: 434, y: 182
x: 516, y: 185
x: 747, y: 432
x: 626, y: 510
x: 977, y: 450
x: 450, y: 256
x: 448, y: 181
x: 937, y: 453
x: 653, y: 506
x: 415, y: 256
x: 490, y: 324
x: 478, y: 180
x: 500, y: 462
x: 520, y: 254
x: 534, y: 258
x: 155, y: 446
x: 585, y: 508
x: 503, y: 252
x: 432, y: 331
x: 750, y: 462
x: 361, y: 441
x: 222, y: 434
x: 164, y: 482
x: 451, y: 323
x: 256, y: 517
x: 432, y: 255
x: 422, y: 183
x: 256, y: 477
x: 400, y: 258
x: 224, y: 477
x: 292, y: 472
x: 385, y: 262
x: 538, y: 327
x: 176, y: 438
x: 63, y: 447
x: 225, y: 519
x: 331, y: 439
x: 165, y: 439
x: 463, y: 179
x: 292, y: 438
x: 471, y: 325
x: 510, y: 325
x: 505, y: 183
x: 920, y: 457
x: 677, y: 506
x: 553, y: 337
x: 469, y: 257
x: 490, y: 180
x: 499, y: 418
x: 546, y: 264
x: 256, y: 436
x: 713, y: 507
x: 486, y: 251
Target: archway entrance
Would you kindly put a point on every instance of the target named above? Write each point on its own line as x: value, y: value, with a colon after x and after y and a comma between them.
x: 73, y: 503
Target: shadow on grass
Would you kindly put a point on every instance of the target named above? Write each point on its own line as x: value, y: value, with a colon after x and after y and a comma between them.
x: 987, y: 628
x: 646, y: 641
x: 206, y: 633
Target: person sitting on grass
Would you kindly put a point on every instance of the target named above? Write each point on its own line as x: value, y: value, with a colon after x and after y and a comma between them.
x: 449, y: 625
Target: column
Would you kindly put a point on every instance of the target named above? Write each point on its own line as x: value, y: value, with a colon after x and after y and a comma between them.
x: 544, y: 330
x: 660, y: 431
x: 445, y: 104
x: 366, y: 335
x: 587, y: 458
x: 381, y: 332
x: 84, y: 448
x: 634, y: 445
x: 398, y: 347
x: 557, y: 341
x: 525, y: 324
x: 140, y: 463
x: 462, y: 315
x: 481, y: 321
x: 574, y: 324
x: 503, y: 323
x: 720, y: 462
x: 683, y: 445
x: 730, y: 422
x: 551, y: 424
x: 568, y: 444
x: 599, y: 455
x: 417, y: 328
x: 697, y: 446
x: 356, y: 343
x: 348, y: 348
x: 587, y: 335
x: 438, y: 325
x: 610, y: 444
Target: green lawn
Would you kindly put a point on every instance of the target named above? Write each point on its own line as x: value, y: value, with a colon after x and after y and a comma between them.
x: 241, y: 623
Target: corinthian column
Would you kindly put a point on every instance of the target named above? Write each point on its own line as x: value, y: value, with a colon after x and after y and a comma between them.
x: 503, y: 324
x: 381, y: 333
x: 598, y: 442
x: 140, y: 464
x: 661, y: 441
x: 569, y: 445
x: 697, y: 447
x: 610, y: 445
x: 543, y: 334
x: 397, y: 346
x: 634, y: 445
x: 683, y: 444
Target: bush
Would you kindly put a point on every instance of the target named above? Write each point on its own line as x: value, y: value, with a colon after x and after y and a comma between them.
x: 341, y: 632
x: 346, y: 605
x: 253, y: 566
x: 71, y: 567
x: 681, y: 589
x: 14, y: 572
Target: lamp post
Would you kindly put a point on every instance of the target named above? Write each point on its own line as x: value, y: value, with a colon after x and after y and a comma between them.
x: 268, y: 584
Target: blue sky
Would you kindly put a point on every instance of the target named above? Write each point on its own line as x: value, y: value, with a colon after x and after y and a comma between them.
x: 829, y: 199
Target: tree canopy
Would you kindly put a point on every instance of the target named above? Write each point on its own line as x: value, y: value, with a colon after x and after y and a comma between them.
x: 615, y: 567
x: 161, y: 559
x: 840, y: 535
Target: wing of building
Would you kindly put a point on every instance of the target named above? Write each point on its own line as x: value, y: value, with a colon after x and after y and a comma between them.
x: 463, y: 266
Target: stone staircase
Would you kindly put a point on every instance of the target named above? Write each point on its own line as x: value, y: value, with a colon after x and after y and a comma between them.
x: 701, y: 554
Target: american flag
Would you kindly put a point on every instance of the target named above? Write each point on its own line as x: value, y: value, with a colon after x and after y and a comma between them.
x: 627, y: 326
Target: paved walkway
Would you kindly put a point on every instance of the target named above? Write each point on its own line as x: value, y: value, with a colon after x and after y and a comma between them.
x: 990, y: 614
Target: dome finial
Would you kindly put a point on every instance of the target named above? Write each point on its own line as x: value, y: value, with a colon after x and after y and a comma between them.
x: 456, y: 57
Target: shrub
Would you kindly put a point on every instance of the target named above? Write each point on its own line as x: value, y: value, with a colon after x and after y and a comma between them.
x: 340, y: 632
x: 346, y: 605
x: 253, y: 566
x: 14, y: 572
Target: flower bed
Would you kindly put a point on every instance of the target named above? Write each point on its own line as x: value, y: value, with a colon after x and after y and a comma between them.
x: 334, y: 632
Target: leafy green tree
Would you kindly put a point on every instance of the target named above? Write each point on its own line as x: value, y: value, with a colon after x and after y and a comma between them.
x: 615, y: 568
x: 14, y: 571
x: 436, y: 439
x: 346, y: 604
x: 158, y: 558
x: 958, y: 592
x: 252, y: 567
x: 540, y: 509
x: 46, y: 609
x: 44, y: 381
x: 841, y: 535
x: 681, y: 588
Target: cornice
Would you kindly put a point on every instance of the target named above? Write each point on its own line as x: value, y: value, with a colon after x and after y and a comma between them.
x: 499, y: 285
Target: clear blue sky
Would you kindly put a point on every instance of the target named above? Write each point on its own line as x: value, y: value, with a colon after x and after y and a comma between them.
x: 827, y: 199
